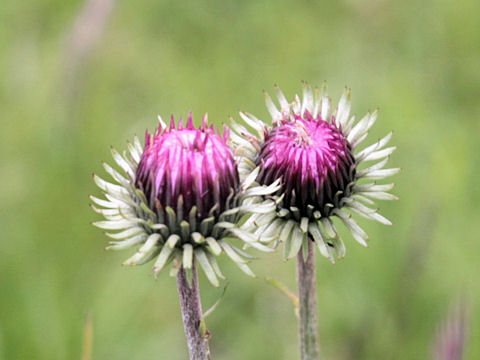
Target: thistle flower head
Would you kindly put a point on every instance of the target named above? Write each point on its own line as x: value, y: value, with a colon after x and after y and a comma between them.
x: 451, y: 336
x: 180, y: 196
x: 313, y: 151
x: 187, y: 169
x: 314, y: 160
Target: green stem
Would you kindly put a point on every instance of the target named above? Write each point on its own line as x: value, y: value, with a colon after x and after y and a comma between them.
x: 191, y: 306
x: 307, y: 295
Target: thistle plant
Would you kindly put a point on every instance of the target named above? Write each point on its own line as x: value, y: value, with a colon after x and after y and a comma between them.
x: 178, y: 200
x: 451, y: 336
x: 313, y: 151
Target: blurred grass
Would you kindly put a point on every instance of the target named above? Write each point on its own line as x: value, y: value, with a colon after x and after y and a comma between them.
x: 416, y: 61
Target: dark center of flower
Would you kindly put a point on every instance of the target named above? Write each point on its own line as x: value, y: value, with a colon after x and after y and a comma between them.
x: 185, y: 168
x: 314, y: 161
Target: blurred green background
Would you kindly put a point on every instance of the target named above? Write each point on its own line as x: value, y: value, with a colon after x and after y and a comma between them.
x: 77, y: 77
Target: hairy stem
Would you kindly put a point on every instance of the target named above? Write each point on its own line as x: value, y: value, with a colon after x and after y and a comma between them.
x: 307, y: 296
x: 191, y: 306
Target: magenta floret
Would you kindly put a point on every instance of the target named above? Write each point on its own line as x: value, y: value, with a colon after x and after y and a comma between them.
x: 312, y: 158
x: 182, y: 167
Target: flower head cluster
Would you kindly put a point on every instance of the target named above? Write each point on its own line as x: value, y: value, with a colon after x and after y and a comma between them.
x: 314, y: 153
x: 179, y: 198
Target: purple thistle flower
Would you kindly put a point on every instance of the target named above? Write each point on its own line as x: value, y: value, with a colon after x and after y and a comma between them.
x: 313, y: 159
x: 179, y: 198
x: 451, y: 335
x: 186, y: 168
x: 313, y: 153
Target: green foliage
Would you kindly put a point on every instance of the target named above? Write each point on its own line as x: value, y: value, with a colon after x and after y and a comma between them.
x: 60, y: 112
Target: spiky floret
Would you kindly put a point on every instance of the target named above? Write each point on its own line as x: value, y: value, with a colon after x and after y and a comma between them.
x: 179, y: 198
x: 313, y: 151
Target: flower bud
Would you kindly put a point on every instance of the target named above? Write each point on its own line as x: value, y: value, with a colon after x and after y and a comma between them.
x: 312, y: 150
x: 178, y: 198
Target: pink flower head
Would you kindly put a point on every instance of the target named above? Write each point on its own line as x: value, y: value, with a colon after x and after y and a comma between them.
x: 182, y: 167
x: 179, y: 199
x: 314, y: 160
x: 313, y: 150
